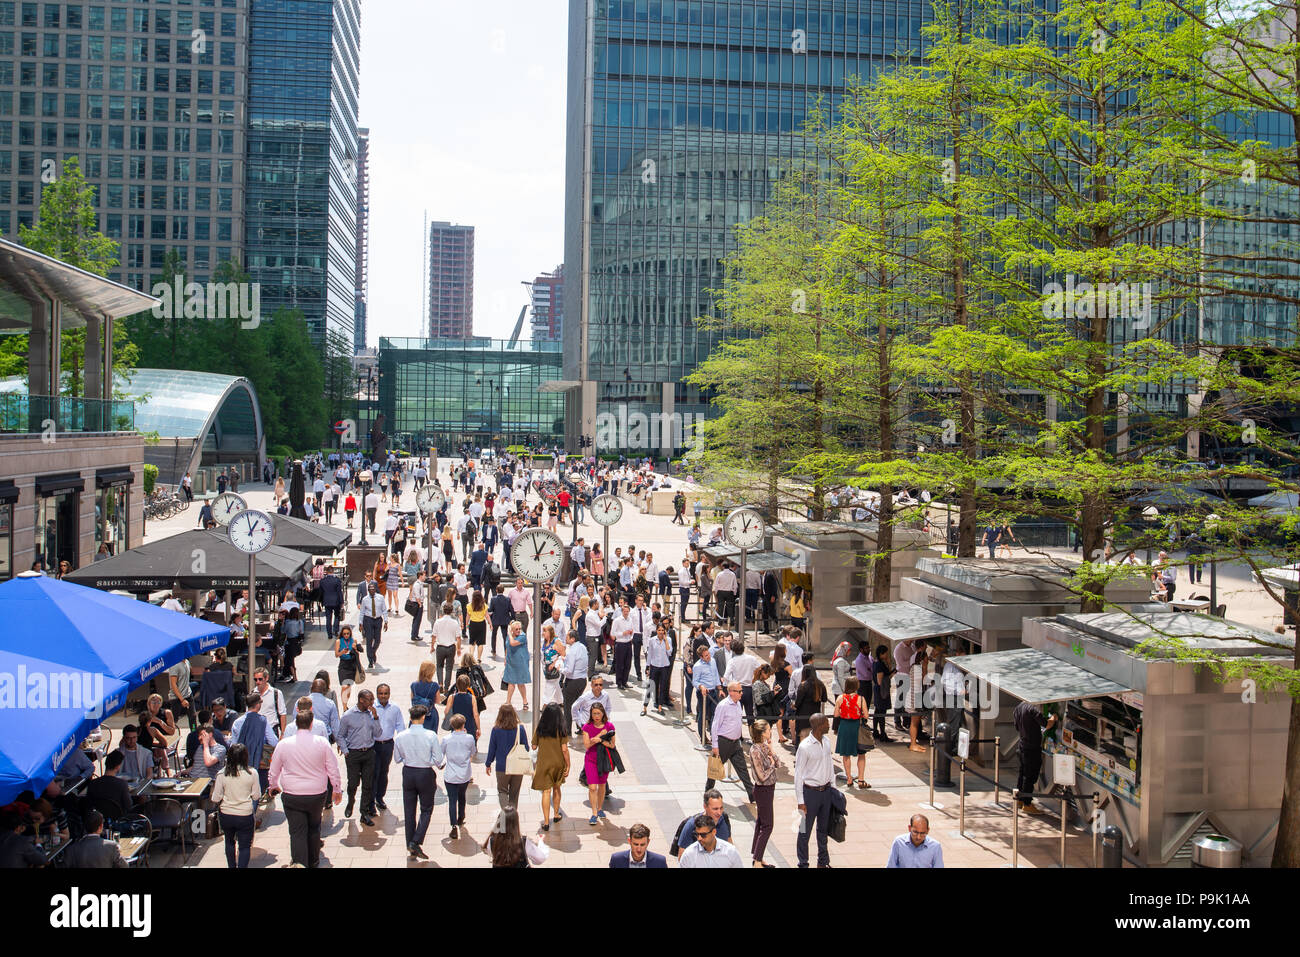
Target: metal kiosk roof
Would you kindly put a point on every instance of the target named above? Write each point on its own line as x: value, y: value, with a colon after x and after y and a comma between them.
x: 904, y: 621
x: 1037, y: 677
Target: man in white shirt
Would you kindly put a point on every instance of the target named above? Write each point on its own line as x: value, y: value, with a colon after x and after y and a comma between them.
x: 814, y: 788
x: 373, y: 612
x: 708, y: 851
x: 741, y: 667
x: 390, y: 529
x: 642, y: 628
x: 372, y: 509
x: 724, y: 587
x: 558, y: 621
x: 172, y: 604
x: 621, y: 631
x: 446, y: 639
x: 318, y: 490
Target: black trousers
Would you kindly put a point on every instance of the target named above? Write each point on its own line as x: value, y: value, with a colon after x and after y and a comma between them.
x: 660, y: 678
x: 572, y: 690
x: 444, y: 657
x: 637, y: 641
x: 372, y: 630
x: 729, y: 749
x: 622, y: 662
x: 370, y: 516
x: 505, y: 634
x: 302, y: 812
x: 418, y: 786
x: 361, y: 771
x: 238, y: 829
x: 726, y: 604
x: 333, y: 618
x: 1031, y: 763
x: 763, y: 796
x: 819, y: 811
x: 383, y: 760
x: 747, y: 702
x: 415, y: 623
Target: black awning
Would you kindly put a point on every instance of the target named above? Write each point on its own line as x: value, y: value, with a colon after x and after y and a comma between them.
x: 119, y: 476
x: 8, y: 492
x: 66, y: 482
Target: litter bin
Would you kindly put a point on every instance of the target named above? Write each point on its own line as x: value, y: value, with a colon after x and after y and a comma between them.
x: 1216, y: 850
x: 942, y: 759
x: 1112, y: 853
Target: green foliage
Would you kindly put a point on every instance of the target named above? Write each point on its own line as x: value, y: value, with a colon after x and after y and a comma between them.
x: 150, y: 478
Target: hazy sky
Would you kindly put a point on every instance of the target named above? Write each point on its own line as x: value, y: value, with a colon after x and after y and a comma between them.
x: 465, y: 103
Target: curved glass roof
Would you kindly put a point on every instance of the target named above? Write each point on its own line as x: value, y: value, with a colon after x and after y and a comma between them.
x: 182, y: 404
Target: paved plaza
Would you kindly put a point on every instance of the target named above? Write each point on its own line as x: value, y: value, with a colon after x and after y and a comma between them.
x: 665, y: 768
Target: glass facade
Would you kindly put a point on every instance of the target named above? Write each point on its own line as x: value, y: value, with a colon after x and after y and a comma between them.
x: 151, y: 98
x: 480, y: 392
x: 688, y: 114
x: 303, y: 78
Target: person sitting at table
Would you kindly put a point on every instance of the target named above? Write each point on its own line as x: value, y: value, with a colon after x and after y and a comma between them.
x: 75, y: 768
x: 192, y: 739
x: 158, y: 724
x: 223, y: 719
x: 137, y: 761
x: 110, y: 788
x: 210, y: 758
x: 93, y: 849
x: 16, y: 848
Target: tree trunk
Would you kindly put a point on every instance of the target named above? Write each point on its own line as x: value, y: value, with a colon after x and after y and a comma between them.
x: 1286, y: 849
x: 883, y: 566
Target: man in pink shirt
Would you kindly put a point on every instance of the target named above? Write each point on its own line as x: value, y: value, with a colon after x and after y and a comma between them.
x: 303, y: 767
x: 521, y: 602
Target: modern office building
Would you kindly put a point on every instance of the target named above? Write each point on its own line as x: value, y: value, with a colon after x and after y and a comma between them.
x: 451, y: 281
x: 363, y: 237
x: 477, y: 392
x: 219, y: 129
x: 680, y: 117
x: 303, y: 89
x: 547, y: 306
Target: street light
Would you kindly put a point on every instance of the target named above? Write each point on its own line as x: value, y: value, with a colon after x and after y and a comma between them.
x: 364, y: 477
x: 1150, y: 515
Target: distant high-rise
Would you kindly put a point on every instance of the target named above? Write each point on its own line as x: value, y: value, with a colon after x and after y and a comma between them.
x: 363, y: 236
x: 548, y: 306
x: 451, y: 281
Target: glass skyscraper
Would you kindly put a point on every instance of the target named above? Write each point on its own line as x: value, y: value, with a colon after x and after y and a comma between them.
x: 682, y: 115
x: 303, y: 80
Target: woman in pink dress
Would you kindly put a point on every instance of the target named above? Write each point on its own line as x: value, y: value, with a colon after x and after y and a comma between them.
x: 596, y: 733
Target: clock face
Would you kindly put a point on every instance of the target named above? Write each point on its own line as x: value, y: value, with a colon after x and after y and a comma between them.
x: 744, y: 528
x: 251, y: 531
x: 430, y: 498
x: 607, y: 509
x: 537, y: 554
x: 226, y: 506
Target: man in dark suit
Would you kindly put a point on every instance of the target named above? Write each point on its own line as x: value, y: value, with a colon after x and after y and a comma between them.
x: 331, y: 590
x: 638, y: 855
x: 93, y: 849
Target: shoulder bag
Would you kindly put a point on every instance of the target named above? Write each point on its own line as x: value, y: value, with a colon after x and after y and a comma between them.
x: 518, y: 761
x: 447, y: 712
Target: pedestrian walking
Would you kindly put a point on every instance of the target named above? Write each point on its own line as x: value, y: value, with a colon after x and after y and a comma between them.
x: 726, y: 734
x: 508, y: 739
x: 766, y: 764
x: 419, y: 752
x: 849, y: 711
x: 509, y: 848
x: 916, y: 848
x: 597, y: 733
x: 814, y: 789
x: 236, y: 792
x: 553, y: 766
x: 515, y: 676
x: 303, y: 769
x: 458, y: 751
x: 390, y: 724
x: 345, y: 652
x: 373, y: 612
x: 358, y: 729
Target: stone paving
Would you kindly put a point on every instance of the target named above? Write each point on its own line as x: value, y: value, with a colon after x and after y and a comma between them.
x: 665, y: 768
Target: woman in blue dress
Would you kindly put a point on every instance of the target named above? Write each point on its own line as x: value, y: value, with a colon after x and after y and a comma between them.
x: 516, y: 674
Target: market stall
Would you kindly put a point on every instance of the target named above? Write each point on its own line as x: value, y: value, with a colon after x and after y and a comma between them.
x: 1173, y: 750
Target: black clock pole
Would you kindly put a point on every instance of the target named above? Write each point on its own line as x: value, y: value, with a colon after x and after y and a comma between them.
x: 744, y: 568
x: 252, y: 618
x: 537, y: 657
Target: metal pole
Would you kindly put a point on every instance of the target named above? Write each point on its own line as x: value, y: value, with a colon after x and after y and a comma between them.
x: 997, y: 765
x: 605, y: 555
x: 428, y: 553
x: 1063, y: 816
x: 931, y: 759
x: 740, y: 618
x: 1094, y: 834
x: 961, y: 826
x: 1015, y: 831
x: 1214, y: 588
x: 252, y: 619
x: 537, y: 655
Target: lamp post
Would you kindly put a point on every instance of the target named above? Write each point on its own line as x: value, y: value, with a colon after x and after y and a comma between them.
x: 364, y: 477
x: 1150, y: 515
x: 1211, y: 536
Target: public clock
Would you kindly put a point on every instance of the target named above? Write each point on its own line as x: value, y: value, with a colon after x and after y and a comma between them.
x: 251, y: 531
x: 744, y: 528
x: 430, y: 498
x: 226, y: 506
x: 537, y: 554
x: 607, y: 509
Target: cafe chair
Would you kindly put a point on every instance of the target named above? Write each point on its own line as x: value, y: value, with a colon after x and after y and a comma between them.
x: 166, y: 814
x: 135, y: 825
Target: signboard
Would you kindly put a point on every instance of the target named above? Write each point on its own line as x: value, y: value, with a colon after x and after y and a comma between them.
x: 1063, y: 770
x: 963, y: 744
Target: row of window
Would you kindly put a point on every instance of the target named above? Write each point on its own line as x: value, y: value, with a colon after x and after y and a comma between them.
x: 749, y: 66
x: 793, y: 16
x: 119, y: 19
x: 121, y: 137
x: 132, y: 167
x: 76, y: 46
x: 187, y: 81
x: 165, y: 108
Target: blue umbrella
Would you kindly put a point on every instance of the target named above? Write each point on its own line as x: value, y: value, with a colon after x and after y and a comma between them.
x: 45, y: 711
x: 84, y: 629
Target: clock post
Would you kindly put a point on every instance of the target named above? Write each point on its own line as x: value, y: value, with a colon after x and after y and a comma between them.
x: 537, y: 656
x: 252, y: 620
x: 744, y: 568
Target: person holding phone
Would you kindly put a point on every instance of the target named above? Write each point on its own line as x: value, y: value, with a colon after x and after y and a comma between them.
x: 598, y: 732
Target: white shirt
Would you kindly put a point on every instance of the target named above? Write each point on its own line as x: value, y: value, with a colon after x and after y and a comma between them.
x: 814, y: 764
x: 476, y: 510
x: 172, y: 604
x: 684, y: 575
x: 726, y: 580
x: 391, y: 524
x: 372, y: 500
x: 621, y: 629
x: 652, y: 572
x: 724, y: 855
x: 741, y: 668
x: 643, y: 621
x: 561, y: 626
x: 374, y: 606
x: 595, y: 622
x: 793, y: 656
x: 446, y: 631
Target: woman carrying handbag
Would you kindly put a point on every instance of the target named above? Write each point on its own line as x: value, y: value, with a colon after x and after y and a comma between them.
x: 508, y: 755
x: 850, y: 710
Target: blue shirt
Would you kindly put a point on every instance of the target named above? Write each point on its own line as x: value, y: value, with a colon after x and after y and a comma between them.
x: 705, y: 675
x: 390, y: 721
x: 576, y: 660
x: 906, y: 854
x: 500, y: 744
x: 238, y: 726
x: 625, y: 577
x: 418, y: 747
x: 459, y: 749
x: 323, y: 708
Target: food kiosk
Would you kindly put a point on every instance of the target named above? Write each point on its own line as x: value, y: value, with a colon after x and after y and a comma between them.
x: 1173, y: 751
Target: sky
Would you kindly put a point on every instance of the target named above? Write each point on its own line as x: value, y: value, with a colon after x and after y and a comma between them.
x: 465, y: 103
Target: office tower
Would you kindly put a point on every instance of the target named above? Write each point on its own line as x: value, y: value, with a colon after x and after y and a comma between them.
x: 363, y: 235
x: 152, y: 100
x: 451, y: 281
x: 548, y: 306
x: 304, y: 72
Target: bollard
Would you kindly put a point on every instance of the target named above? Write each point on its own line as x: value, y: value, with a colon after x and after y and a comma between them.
x: 941, y: 760
x: 997, y: 766
x: 961, y: 778
x: 1112, y: 854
